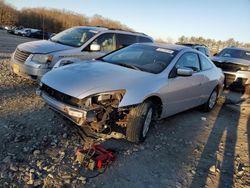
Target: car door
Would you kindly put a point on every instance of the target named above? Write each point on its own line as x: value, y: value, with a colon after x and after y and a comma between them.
x: 184, y: 92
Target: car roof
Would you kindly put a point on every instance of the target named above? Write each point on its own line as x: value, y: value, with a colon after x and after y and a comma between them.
x: 93, y: 28
x: 104, y: 29
x: 238, y: 48
x: 191, y: 44
x: 167, y: 46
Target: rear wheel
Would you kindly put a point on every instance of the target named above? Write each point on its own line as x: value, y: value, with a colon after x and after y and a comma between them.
x: 212, y: 100
x: 140, y: 119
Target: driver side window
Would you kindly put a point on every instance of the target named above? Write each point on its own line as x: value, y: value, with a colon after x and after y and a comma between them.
x: 189, y: 60
x: 106, y: 41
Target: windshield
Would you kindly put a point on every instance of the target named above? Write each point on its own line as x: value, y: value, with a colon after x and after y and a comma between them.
x: 142, y: 57
x: 235, y: 53
x: 74, y: 36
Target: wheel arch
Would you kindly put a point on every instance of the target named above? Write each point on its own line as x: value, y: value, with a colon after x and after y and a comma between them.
x: 157, y: 102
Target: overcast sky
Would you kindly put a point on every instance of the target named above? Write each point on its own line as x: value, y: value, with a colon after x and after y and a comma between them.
x: 216, y: 19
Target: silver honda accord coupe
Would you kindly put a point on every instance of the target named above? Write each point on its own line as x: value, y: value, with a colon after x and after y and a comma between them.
x: 133, y: 86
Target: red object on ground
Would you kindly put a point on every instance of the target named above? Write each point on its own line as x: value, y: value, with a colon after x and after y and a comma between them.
x: 99, y: 154
x: 103, y: 157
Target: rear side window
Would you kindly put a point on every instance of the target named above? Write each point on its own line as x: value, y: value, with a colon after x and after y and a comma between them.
x: 123, y: 40
x: 201, y: 50
x: 207, y: 52
x: 205, y: 63
x: 144, y: 39
x: 189, y: 60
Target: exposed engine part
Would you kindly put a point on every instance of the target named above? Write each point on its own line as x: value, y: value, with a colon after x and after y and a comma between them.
x: 104, y: 112
x: 89, y: 137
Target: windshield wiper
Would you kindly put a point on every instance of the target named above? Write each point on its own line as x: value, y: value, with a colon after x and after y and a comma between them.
x: 56, y: 41
x: 128, y: 66
x: 59, y: 42
x: 121, y: 64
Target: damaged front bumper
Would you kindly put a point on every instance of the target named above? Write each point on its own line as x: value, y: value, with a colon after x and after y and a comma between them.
x: 78, y: 116
x: 81, y: 117
x: 28, y: 71
x: 238, y: 79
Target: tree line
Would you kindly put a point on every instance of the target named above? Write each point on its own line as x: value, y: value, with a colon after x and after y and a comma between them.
x: 8, y: 14
x: 52, y: 20
x: 214, y: 45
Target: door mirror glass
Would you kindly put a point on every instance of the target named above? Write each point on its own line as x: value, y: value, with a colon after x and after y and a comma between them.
x: 184, y: 72
x: 95, y: 47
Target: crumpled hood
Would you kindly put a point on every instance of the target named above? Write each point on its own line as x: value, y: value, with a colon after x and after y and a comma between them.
x: 91, y: 77
x: 42, y: 47
x: 230, y: 60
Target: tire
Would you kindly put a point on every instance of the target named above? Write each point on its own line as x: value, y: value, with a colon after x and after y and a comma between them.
x: 212, y: 100
x: 139, y: 121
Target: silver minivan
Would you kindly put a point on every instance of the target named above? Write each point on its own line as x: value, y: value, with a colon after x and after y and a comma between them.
x: 33, y: 59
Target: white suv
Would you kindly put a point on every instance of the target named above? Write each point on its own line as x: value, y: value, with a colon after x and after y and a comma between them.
x: 33, y: 59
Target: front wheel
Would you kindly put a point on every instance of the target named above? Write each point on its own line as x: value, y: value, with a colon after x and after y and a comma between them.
x: 212, y: 100
x: 139, y: 121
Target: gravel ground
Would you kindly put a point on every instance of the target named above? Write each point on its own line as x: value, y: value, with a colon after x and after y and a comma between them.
x: 191, y: 149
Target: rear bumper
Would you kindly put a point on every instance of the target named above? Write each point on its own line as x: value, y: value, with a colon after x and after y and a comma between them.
x: 28, y: 69
x: 238, y: 79
x: 76, y: 115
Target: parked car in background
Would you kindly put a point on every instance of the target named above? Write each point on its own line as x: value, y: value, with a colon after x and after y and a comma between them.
x: 132, y: 86
x: 200, y: 47
x: 39, y: 34
x: 235, y: 62
x: 4, y: 27
x: 18, y: 30
x: 24, y: 31
x: 34, y: 59
x: 11, y: 30
x: 29, y: 31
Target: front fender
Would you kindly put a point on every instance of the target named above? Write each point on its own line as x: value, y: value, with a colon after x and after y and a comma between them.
x: 138, y: 95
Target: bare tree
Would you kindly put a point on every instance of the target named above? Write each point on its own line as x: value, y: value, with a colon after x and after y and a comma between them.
x: 8, y: 15
x: 214, y: 45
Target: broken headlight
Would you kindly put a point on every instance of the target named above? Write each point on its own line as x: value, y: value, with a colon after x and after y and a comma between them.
x: 245, y: 68
x: 112, y: 98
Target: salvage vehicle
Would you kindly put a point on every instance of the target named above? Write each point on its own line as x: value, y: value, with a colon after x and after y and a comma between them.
x: 235, y: 63
x: 33, y: 59
x: 131, y: 87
